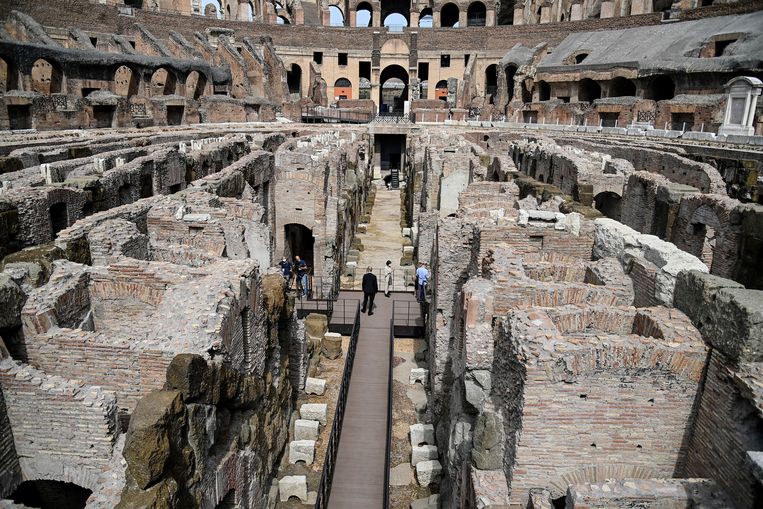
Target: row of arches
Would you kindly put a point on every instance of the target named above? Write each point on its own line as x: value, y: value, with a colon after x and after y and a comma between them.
x: 396, y: 13
x: 48, y: 78
x: 245, y: 10
x: 658, y: 88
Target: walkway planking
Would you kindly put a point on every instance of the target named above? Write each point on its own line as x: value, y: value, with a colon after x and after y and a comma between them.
x: 361, y: 460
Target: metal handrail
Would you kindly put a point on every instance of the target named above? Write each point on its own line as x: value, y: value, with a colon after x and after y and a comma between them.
x: 402, y: 279
x: 316, y: 113
x: 324, y: 488
x: 388, y: 449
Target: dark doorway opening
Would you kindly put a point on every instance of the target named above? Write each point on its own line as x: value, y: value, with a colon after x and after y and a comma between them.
x: 609, y: 118
x: 104, y: 116
x: 560, y: 503
x: 126, y: 193
x: 391, y: 150
x: 20, y: 116
x: 146, y: 186
x: 229, y: 500
x: 46, y: 494
x: 175, y: 115
x: 608, y: 203
x: 13, y: 337
x: 59, y: 217
x: 299, y: 242
x: 294, y: 79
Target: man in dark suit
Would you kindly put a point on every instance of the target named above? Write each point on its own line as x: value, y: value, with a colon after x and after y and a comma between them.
x: 370, y: 287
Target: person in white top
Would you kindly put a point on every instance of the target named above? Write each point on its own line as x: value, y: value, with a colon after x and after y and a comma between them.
x: 388, y: 278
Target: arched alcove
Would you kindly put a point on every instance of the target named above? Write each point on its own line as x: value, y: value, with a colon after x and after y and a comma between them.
x: 449, y: 15
x: 163, y: 82
x: 392, y: 94
x: 476, y: 15
x: 47, y: 77
x: 588, y: 90
x: 364, y: 15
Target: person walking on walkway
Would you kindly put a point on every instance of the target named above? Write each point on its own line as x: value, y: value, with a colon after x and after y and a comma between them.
x: 285, y: 270
x: 301, y: 274
x: 422, y: 278
x: 388, y: 278
x: 370, y: 287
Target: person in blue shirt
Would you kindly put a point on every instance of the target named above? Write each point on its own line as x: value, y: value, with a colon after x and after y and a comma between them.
x: 301, y: 274
x: 422, y: 278
x: 285, y: 269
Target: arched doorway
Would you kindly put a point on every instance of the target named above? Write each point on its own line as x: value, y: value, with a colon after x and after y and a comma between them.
x: 395, y: 13
x: 336, y: 16
x: 449, y: 15
x: 441, y: 90
x: 8, y: 77
x: 299, y: 241
x: 609, y: 204
x: 476, y: 15
x: 661, y: 88
x: 491, y: 83
x: 47, y: 77
x: 342, y: 89
x: 426, y: 20
x: 544, y: 91
x: 510, y: 72
x: 588, y: 90
x: 126, y: 82
x: 393, y: 91
x: 212, y: 9
x: 622, y: 87
x: 47, y: 494
x: 294, y: 79
x: 364, y: 15
x: 195, y: 83
x: 163, y: 82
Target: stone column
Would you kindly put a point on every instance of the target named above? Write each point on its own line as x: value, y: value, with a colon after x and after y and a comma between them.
x: 607, y: 9
x: 490, y: 18
x: 414, y: 18
x: 462, y: 19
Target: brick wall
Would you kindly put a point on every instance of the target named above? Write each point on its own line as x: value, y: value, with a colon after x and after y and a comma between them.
x: 10, y: 470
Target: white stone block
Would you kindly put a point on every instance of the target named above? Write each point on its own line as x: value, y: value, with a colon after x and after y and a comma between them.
x: 419, y: 375
x: 421, y: 453
x: 428, y: 472
x: 431, y: 502
x: 407, y: 232
x: 422, y: 434
x: 306, y: 430
x: 302, y: 450
x: 315, y: 386
x: 408, y: 250
x: 292, y: 486
x: 197, y: 218
x: 314, y: 412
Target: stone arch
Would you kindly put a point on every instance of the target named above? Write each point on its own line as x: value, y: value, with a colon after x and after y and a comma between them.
x: 343, y: 89
x: 212, y: 8
x: 597, y: 473
x: 426, y: 18
x: 491, y: 82
x: 390, y: 8
x: 510, y: 72
x: 336, y: 16
x: 282, y: 20
x: 294, y: 79
x: 661, y: 88
x: 588, y: 90
x: 622, y: 87
x: 163, y: 82
x: 126, y: 81
x: 367, y: 17
x: 476, y: 14
x: 441, y: 90
x: 9, y: 78
x: 299, y: 241
x: 246, y: 10
x: 449, y: 14
x: 388, y: 73
x: 705, y: 237
x: 609, y: 204
x: 47, y: 77
x: 195, y: 85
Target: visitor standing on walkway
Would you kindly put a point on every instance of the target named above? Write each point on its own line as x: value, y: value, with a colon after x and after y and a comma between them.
x: 388, y: 278
x: 422, y: 278
x: 301, y: 274
x: 370, y: 287
x: 285, y: 269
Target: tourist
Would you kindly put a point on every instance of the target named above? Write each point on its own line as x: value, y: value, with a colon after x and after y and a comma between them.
x: 285, y: 269
x: 388, y: 278
x: 370, y: 287
x: 422, y: 278
x: 301, y: 275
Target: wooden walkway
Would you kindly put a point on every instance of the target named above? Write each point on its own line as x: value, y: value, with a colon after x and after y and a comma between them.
x: 361, y: 461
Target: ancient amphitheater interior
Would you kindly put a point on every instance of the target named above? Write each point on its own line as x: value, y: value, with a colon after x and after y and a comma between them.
x: 377, y: 254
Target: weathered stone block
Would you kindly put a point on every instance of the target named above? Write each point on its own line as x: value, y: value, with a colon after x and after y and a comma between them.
x: 422, y: 434
x: 315, y: 386
x: 306, y: 430
x: 331, y: 345
x: 11, y: 301
x: 430, y: 502
x: 488, y: 440
x: 419, y: 375
x: 428, y: 472
x: 313, y: 412
x: 421, y: 453
x: 292, y: 486
x: 302, y: 450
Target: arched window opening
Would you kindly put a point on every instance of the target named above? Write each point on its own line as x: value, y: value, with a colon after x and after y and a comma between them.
x: 8, y: 77
x: 281, y: 20
x: 336, y: 16
x: 506, y: 13
x: 449, y: 15
x: 580, y: 57
x: 491, y: 82
x: 364, y: 15
x: 588, y: 90
x: 394, y: 89
x: 342, y: 89
x: 47, y: 77
x: 544, y: 91
x: 395, y: 13
x: 294, y: 79
x: 195, y: 84
x: 441, y: 90
x: 364, y: 88
x: 395, y: 20
x: 163, y: 82
x: 426, y: 19
x: 47, y: 494
x: 622, y: 87
x: 661, y: 88
x: 510, y: 72
x: 212, y: 9
x: 476, y: 15
x: 227, y: 9
x: 609, y: 204
x: 126, y: 82
x: 248, y: 8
